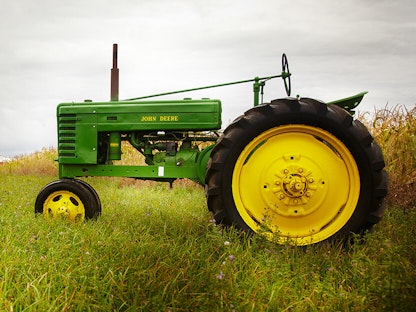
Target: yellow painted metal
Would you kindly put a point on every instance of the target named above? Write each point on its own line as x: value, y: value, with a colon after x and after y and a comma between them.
x: 296, y: 183
x: 64, y: 204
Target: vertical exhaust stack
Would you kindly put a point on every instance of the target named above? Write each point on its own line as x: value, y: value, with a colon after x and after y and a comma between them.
x: 114, y: 76
x: 114, y: 138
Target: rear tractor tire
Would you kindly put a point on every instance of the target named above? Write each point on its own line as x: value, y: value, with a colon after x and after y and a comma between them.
x: 297, y: 171
x: 74, y: 200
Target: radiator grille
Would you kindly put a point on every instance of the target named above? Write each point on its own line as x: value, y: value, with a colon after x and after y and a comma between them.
x: 66, y: 135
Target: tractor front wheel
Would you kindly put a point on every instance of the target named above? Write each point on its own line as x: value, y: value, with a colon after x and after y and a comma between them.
x: 74, y: 200
x: 297, y: 171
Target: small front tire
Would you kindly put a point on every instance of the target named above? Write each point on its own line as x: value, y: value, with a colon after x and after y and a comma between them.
x: 73, y: 200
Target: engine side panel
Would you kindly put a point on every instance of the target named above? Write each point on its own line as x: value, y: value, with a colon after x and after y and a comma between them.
x: 80, y: 123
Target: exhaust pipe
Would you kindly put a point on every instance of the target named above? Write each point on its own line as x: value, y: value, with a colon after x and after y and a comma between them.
x: 114, y: 76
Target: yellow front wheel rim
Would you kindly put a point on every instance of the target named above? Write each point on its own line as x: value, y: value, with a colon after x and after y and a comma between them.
x: 296, y: 182
x: 64, y: 204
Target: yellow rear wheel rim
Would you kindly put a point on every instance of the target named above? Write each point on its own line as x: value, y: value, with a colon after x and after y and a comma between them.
x: 65, y: 205
x: 296, y: 183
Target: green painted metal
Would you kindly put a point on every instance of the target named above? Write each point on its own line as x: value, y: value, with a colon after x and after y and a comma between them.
x: 90, y: 136
x: 202, y: 162
x: 162, y: 172
x: 349, y: 103
x: 80, y: 124
x: 114, y: 146
x: 175, y: 137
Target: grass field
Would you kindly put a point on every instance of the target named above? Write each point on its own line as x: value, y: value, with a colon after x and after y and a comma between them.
x: 156, y: 249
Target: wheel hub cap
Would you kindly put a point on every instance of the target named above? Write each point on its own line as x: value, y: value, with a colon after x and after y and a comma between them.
x: 298, y: 181
x: 292, y: 190
x: 294, y: 187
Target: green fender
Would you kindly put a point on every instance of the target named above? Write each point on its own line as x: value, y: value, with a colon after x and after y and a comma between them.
x: 202, y: 162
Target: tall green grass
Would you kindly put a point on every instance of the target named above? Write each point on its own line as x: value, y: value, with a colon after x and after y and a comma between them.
x: 156, y: 249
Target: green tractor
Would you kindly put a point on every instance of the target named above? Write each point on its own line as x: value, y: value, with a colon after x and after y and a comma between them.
x: 296, y: 170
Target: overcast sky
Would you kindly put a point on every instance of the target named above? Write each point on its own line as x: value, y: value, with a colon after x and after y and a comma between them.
x: 60, y: 51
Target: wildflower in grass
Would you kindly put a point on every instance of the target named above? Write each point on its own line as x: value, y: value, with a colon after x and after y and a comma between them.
x: 231, y: 258
x: 227, y: 243
x: 212, y: 223
x: 87, y: 253
x: 220, y: 276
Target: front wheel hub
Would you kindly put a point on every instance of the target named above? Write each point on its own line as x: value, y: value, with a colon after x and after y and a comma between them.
x: 65, y: 205
x: 63, y: 211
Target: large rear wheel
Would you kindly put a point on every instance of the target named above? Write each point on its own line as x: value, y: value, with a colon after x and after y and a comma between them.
x: 297, y: 171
